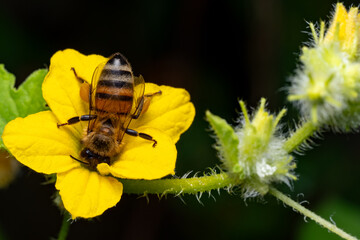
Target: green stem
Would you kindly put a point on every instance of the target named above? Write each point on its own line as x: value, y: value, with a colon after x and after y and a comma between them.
x: 178, y: 186
x: 299, y: 136
x: 207, y: 183
x: 64, y: 230
x: 331, y: 227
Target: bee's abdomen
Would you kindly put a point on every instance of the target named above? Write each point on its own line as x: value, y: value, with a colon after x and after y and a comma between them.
x: 115, y: 88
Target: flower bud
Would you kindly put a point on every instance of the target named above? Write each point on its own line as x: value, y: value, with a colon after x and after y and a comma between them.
x: 327, y: 84
x: 259, y: 158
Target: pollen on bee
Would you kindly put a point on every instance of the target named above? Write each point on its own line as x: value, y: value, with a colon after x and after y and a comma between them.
x: 84, y: 91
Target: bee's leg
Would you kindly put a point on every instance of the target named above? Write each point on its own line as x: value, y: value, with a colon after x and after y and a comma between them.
x: 84, y: 88
x: 147, y: 100
x: 77, y: 119
x: 140, y: 134
x: 81, y: 80
x: 144, y: 104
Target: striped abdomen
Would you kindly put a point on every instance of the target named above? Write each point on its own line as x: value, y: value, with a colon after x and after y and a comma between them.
x: 115, y: 87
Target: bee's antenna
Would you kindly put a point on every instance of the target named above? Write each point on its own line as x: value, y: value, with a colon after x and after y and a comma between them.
x: 86, y: 163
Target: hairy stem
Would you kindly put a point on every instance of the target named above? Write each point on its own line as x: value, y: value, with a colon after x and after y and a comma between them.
x: 298, y: 207
x: 299, y: 136
x: 178, y: 186
x: 64, y: 230
x: 195, y: 185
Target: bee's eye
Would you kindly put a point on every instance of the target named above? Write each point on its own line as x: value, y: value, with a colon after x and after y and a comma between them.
x: 86, y: 153
x: 106, y: 160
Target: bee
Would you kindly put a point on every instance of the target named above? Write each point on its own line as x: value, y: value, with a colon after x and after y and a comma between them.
x: 115, y: 97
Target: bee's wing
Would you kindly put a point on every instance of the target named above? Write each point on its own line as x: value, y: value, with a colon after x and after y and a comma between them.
x: 94, y: 82
x: 139, y: 89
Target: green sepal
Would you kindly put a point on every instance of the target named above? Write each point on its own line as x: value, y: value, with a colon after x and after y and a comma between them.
x: 227, y: 140
x: 20, y: 102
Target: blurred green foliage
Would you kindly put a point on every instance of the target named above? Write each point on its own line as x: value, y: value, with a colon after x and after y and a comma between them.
x: 20, y: 102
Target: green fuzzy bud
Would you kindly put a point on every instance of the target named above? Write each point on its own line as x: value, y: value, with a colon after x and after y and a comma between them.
x: 254, y: 151
x: 327, y: 85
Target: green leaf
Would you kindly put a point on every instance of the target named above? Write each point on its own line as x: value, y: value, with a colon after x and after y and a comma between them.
x: 25, y: 100
x: 227, y: 141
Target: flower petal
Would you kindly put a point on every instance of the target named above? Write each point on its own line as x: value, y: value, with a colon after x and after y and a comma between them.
x: 87, y: 194
x: 350, y: 33
x: 61, y: 89
x: 140, y: 160
x: 36, y: 142
x: 171, y: 112
x: 337, y: 24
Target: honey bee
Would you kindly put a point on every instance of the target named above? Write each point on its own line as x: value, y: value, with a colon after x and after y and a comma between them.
x: 115, y: 97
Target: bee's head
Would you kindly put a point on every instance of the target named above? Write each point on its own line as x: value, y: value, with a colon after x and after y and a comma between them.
x: 102, y: 142
x: 93, y: 159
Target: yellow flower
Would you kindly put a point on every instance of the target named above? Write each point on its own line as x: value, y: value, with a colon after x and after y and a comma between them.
x: 344, y: 28
x: 37, y: 142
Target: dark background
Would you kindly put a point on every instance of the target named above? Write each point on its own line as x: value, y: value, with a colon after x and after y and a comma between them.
x: 219, y: 51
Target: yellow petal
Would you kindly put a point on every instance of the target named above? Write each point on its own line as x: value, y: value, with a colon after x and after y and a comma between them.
x: 350, y: 34
x: 358, y: 31
x: 171, y: 112
x: 36, y: 142
x: 61, y: 89
x: 337, y: 24
x: 87, y: 194
x: 140, y: 160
